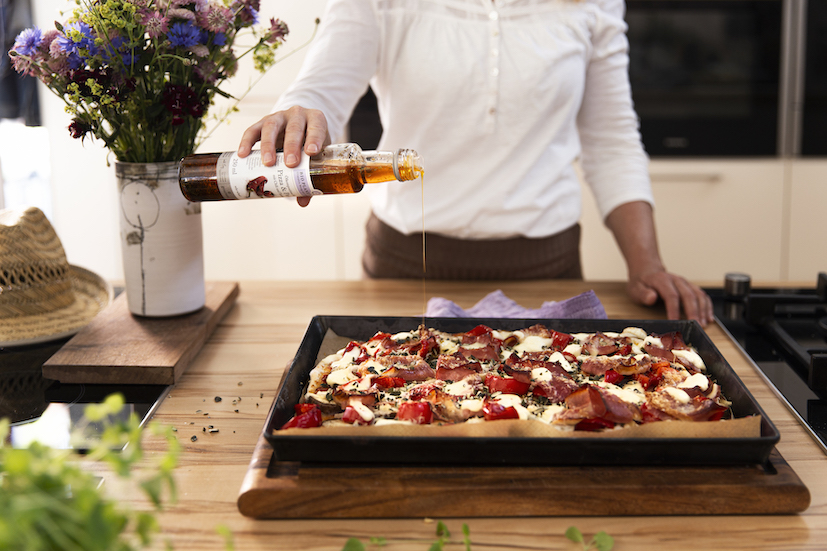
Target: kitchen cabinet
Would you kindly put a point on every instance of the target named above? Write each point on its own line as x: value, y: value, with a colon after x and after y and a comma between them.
x: 807, y: 253
x: 712, y: 217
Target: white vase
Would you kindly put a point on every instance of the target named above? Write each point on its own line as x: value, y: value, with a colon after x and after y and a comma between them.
x: 161, y: 241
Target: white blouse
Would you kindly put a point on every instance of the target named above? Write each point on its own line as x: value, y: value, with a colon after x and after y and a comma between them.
x: 498, y: 96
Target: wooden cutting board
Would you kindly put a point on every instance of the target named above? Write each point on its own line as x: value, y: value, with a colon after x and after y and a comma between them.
x: 281, y: 490
x: 119, y: 348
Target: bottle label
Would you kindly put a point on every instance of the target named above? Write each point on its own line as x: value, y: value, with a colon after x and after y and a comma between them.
x: 248, y: 178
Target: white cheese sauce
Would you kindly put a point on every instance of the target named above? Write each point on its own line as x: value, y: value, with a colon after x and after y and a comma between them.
x: 679, y: 395
x: 697, y: 380
x: 459, y: 388
x: 692, y: 357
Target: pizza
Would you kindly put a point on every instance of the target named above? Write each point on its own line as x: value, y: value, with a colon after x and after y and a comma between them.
x: 581, y: 381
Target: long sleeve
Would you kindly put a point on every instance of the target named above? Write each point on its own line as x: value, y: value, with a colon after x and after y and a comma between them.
x: 614, y: 163
x: 339, y: 64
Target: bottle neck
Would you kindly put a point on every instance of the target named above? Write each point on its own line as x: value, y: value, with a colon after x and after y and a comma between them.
x: 406, y: 163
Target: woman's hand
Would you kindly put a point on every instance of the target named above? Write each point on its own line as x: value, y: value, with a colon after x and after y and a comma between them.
x: 676, y: 292
x: 290, y: 130
x: 634, y: 229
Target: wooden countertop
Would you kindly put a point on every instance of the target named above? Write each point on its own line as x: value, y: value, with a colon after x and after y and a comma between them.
x: 242, y: 363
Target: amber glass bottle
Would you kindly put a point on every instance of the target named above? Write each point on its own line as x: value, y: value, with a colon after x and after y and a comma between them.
x: 339, y: 168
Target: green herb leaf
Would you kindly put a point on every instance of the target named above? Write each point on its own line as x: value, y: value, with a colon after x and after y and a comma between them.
x: 442, y: 531
x: 353, y: 544
x: 603, y: 541
x: 574, y: 534
x: 224, y: 531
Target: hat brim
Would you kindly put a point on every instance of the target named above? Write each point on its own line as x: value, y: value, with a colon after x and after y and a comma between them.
x: 92, y: 294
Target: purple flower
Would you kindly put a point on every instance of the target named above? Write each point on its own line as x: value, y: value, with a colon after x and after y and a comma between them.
x: 78, y: 128
x: 154, y: 23
x: 207, y: 71
x: 180, y: 13
x: 215, y: 19
x: 28, y: 41
x: 247, y: 11
x: 277, y: 32
x: 182, y: 101
x: 184, y: 35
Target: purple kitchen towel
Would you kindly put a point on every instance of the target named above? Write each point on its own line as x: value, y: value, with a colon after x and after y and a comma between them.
x: 497, y: 305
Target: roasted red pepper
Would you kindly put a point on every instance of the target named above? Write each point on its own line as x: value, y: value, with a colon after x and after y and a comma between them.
x: 415, y: 412
x: 493, y: 411
x: 504, y: 385
x: 307, y: 416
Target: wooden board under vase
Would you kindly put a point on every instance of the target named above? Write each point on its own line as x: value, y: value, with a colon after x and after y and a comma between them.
x: 120, y: 348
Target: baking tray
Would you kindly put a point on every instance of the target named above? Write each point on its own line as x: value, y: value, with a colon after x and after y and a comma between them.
x: 511, y: 450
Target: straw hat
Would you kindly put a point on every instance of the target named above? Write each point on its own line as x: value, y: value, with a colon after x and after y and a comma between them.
x: 42, y: 297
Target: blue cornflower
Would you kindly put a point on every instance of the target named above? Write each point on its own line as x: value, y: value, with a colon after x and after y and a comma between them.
x: 184, y: 35
x: 218, y: 39
x: 70, y: 45
x: 118, y: 48
x: 27, y: 41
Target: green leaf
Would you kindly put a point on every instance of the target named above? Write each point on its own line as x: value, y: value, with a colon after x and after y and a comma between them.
x: 436, y: 546
x: 378, y: 541
x: 466, y: 537
x: 225, y: 532
x: 574, y: 534
x: 353, y: 544
x: 442, y: 531
x: 603, y: 541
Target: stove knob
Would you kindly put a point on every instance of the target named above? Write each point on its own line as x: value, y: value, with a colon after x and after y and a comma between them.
x: 736, y: 285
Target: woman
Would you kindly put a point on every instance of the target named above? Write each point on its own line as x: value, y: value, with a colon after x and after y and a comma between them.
x: 500, y: 97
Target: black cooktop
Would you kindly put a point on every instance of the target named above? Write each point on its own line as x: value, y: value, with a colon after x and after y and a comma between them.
x: 48, y: 411
x: 781, y: 331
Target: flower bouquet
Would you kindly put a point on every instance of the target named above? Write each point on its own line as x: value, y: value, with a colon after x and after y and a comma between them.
x: 141, y: 74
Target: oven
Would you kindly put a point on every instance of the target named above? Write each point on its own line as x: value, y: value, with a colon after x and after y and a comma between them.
x: 707, y: 76
x: 783, y: 332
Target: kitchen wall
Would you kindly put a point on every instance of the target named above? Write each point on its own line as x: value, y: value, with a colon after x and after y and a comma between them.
x: 760, y: 216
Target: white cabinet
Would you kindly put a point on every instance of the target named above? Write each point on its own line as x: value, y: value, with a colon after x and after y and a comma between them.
x: 808, y: 220
x: 712, y: 217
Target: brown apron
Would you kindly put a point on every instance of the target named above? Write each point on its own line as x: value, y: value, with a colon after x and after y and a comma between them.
x: 391, y: 254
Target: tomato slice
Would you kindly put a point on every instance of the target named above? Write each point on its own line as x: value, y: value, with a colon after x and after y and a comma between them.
x: 415, y: 412
x: 504, y: 385
x: 494, y: 411
x: 307, y: 416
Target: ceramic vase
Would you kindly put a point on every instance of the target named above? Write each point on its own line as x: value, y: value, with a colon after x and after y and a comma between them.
x: 161, y: 241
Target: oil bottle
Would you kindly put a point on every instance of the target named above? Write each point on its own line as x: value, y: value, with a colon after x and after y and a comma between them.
x: 339, y: 168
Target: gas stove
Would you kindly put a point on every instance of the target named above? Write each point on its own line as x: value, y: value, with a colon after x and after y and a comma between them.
x: 783, y: 331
